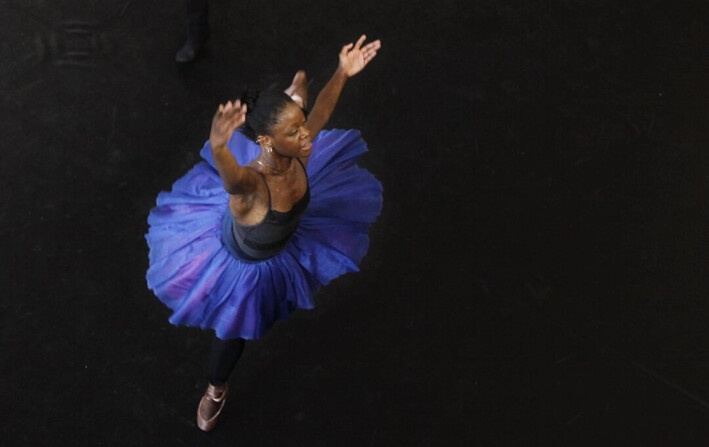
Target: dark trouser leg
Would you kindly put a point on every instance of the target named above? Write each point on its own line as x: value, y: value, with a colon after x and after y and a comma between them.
x: 197, y: 30
x: 225, y: 354
x: 197, y: 19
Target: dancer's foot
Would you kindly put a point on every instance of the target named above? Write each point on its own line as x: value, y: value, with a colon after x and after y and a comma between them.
x: 211, y: 405
x: 298, y: 90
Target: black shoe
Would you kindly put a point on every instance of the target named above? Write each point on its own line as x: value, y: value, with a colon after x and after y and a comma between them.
x: 191, y: 48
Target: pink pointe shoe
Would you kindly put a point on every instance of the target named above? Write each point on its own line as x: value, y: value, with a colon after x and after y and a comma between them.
x: 211, y: 405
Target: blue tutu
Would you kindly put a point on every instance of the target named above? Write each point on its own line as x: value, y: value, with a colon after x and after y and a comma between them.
x: 192, y: 272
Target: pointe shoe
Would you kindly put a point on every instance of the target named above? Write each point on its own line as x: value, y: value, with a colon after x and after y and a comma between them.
x: 210, y: 406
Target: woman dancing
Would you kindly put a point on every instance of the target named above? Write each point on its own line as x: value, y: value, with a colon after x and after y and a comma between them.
x: 275, y: 211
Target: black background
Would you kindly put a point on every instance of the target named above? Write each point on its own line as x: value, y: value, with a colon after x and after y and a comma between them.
x: 538, y: 275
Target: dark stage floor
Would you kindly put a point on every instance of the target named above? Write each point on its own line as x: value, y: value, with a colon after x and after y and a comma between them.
x: 538, y: 276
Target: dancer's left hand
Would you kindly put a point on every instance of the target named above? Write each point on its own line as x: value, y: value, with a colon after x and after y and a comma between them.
x: 354, y: 57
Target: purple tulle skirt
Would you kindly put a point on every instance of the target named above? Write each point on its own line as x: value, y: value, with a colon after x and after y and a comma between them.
x: 193, y: 273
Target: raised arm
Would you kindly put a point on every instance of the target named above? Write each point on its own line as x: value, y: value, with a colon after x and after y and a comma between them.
x: 353, y: 58
x: 237, y: 179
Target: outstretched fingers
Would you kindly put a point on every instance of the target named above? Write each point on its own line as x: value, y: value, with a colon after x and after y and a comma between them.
x: 232, y: 112
x: 354, y: 57
x: 372, y: 46
x: 229, y: 107
x: 370, y: 50
x: 346, y: 49
x: 239, y: 115
x: 360, y: 41
x: 228, y: 118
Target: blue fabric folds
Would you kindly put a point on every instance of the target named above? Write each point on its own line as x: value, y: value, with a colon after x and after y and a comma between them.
x: 193, y: 273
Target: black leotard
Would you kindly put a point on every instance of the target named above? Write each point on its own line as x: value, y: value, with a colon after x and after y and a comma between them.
x: 270, y: 236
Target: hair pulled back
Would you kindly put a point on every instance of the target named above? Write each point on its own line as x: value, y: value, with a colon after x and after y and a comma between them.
x: 262, y: 110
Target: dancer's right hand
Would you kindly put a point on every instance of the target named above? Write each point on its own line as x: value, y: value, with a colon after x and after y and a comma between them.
x: 228, y: 118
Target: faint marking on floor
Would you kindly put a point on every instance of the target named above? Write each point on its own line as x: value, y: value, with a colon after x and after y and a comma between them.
x: 77, y: 44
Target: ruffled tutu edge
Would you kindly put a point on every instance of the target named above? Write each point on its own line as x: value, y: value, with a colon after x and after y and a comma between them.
x: 194, y: 275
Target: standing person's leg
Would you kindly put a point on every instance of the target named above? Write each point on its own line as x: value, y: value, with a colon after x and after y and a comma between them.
x: 225, y: 354
x: 197, y: 12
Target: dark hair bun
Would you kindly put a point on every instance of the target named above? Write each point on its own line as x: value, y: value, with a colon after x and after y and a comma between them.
x: 262, y: 109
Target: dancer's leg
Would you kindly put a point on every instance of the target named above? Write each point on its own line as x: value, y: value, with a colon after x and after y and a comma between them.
x: 225, y: 354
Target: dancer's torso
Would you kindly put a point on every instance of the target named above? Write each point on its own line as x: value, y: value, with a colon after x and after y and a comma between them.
x: 273, y: 213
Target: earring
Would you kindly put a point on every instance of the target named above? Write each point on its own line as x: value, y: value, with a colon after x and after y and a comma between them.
x: 269, y: 148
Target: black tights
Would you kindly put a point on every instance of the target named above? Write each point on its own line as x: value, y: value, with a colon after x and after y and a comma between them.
x: 225, y: 354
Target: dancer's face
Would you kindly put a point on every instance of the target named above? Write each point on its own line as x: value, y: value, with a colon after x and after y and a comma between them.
x: 290, y: 137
